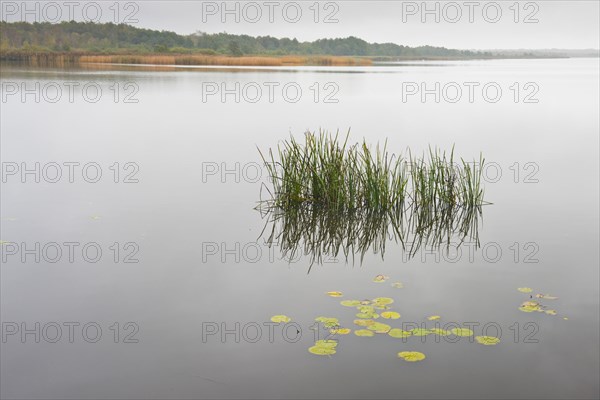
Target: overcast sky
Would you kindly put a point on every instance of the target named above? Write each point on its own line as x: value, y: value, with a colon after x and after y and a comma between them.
x: 462, y: 24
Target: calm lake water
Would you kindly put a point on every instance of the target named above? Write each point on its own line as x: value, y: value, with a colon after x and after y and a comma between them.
x: 182, y: 206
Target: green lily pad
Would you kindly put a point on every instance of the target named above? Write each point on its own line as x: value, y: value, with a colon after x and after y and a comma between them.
x: 383, y: 301
x: 440, y: 332
x: 331, y: 344
x: 525, y: 290
x: 350, y: 303
x: 487, y: 340
x: 322, y: 351
x: 411, y: 356
x: 364, y: 332
x: 420, y: 332
x: 380, y: 278
x: 340, y: 331
x: 335, y: 294
x: 378, y: 327
x: 328, y: 322
x: 464, y: 332
x: 280, y: 318
x: 399, y: 333
x: 363, y: 322
x: 434, y: 317
x: 390, y: 315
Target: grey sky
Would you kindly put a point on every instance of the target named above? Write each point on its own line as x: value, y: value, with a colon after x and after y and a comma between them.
x: 540, y: 24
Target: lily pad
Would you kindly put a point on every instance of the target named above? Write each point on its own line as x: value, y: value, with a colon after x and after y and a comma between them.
x: 363, y: 322
x: 398, y: 285
x: 487, y: 340
x: 399, y: 333
x: 328, y: 322
x: 380, y: 278
x: 420, y: 332
x: 335, y: 294
x: 350, y: 303
x: 440, y: 332
x: 369, y: 315
x: 525, y: 290
x: 280, y: 318
x: 364, y: 332
x: 378, y: 327
x: 550, y: 312
x: 464, y: 332
x: 322, y: 351
x: 434, y: 317
x: 330, y: 344
x: 531, y: 306
x: 383, y: 301
x: 411, y: 356
x: 390, y: 315
x: 340, y: 331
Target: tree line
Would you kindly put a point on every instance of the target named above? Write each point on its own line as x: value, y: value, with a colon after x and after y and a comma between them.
x: 120, y: 38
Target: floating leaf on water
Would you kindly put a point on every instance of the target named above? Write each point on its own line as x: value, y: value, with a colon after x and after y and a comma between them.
x: 398, y: 285
x: 565, y: 318
x: 350, y: 303
x: 550, y: 312
x: 545, y: 296
x: 340, y: 331
x: 399, y: 333
x: 366, y: 302
x: 525, y: 290
x: 331, y: 344
x: 487, y: 340
x: 380, y: 278
x: 335, y: 294
x: 369, y: 315
x: 462, y: 332
x: 363, y: 322
x: 364, y: 332
x: 322, y: 351
x: 328, y: 322
x: 411, y: 356
x: 378, y: 327
x: 434, y: 318
x: 531, y: 306
x: 383, y: 301
x: 420, y: 332
x: 280, y: 318
x: 440, y: 332
x: 366, y: 309
x: 390, y: 315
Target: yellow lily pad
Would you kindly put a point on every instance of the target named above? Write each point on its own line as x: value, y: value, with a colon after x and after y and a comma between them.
x: 364, y: 332
x: 411, y: 356
x: 487, y: 340
x: 531, y: 306
x: 550, y: 312
x: 434, y: 318
x: 363, y: 322
x: 340, y: 331
x: 322, y: 351
x: 378, y: 327
x: 440, y: 332
x: 390, y: 315
x: 465, y: 332
x: 335, y: 294
x: 399, y: 333
x: 383, y: 301
x: 331, y: 344
x: 369, y: 315
x: 525, y: 290
x: 280, y: 318
x: 380, y: 278
x: 420, y: 332
x: 328, y: 322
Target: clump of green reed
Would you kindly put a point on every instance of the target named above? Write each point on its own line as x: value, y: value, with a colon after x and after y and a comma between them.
x: 327, y: 172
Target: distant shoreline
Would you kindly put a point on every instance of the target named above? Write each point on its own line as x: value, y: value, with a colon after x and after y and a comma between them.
x: 73, y: 58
